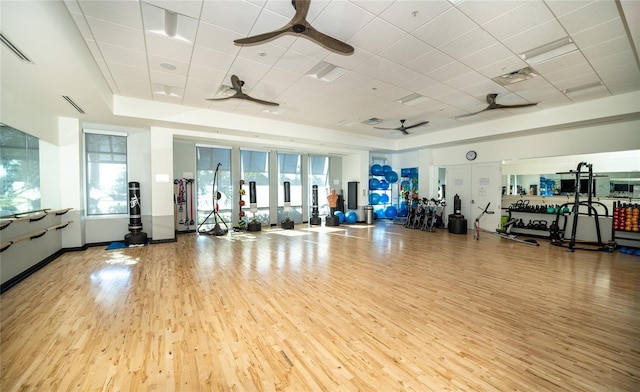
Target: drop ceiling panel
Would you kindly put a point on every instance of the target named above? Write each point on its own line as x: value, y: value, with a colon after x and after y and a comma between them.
x: 168, y: 79
x: 375, y: 7
x: 343, y: 19
x: 296, y: 63
x: 168, y: 47
x: 189, y: 8
x: 351, y: 61
x: 116, y: 34
x: 155, y: 64
x: 119, y: 54
x: 430, y: 61
x: 126, y: 14
x: 406, y: 49
x: 483, y: 11
x: 402, y: 77
x: 538, y: 36
x: 489, y: 55
x: 473, y: 41
x: 560, y: 8
x: 528, y: 15
x: 445, y: 27
x: 216, y: 38
x: 590, y: 15
x: 409, y: 15
x: 448, y: 72
x: 598, y: 34
x: 233, y: 15
x: 265, y: 54
x: 377, y: 36
x: 376, y: 66
x: 205, y: 57
x: 607, y: 48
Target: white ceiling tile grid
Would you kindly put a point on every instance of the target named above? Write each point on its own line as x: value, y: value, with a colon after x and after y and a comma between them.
x: 447, y: 51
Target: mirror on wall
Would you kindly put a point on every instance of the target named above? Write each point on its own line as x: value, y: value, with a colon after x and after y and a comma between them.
x: 615, y: 175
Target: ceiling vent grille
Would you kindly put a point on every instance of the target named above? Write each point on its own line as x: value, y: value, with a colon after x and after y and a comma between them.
x: 14, y: 49
x: 75, y: 105
x: 373, y: 121
x: 515, y: 76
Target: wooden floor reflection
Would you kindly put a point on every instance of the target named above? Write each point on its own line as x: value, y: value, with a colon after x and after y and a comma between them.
x: 362, y: 308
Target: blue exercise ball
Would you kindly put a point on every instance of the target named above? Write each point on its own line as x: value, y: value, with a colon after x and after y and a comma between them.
x: 379, y: 213
x: 374, y: 183
x: 351, y: 217
x: 391, y: 177
x: 384, y: 198
x: 340, y: 216
x: 383, y: 185
x: 386, y: 168
x: 404, y: 210
x: 377, y: 170
x: 391, y: 212
x: 374, y: 198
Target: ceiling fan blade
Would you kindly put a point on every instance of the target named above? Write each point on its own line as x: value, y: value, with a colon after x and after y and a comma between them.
x: 249, y: 98
x: 236, y: 83
x: 222, y: 99
x: 471, y: 114
x: 524, y: 105
x: 327, y: 41
x: 302, y: 9
x: 416, y: 125
x: 260, y: 38
x: 388, y: 129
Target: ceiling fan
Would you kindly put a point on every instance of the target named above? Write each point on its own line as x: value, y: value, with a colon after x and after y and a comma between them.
x: 237, y: 84
x: 299, y: 26
x: 491, y: 100
x: 403, y: 129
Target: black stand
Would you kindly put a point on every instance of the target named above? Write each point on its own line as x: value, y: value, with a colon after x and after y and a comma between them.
x: 315, y: 218
x: 287, y: 223
x: 135, y: 237
x: 216, y: 230
x: 254, y: 225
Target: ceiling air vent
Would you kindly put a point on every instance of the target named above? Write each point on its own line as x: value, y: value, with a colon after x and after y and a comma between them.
x: 515, y: 76
x: 75, y: 105
x: 14, y: 48
x: 373, y: 121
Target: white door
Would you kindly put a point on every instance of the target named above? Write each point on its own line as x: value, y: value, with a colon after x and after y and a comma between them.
x: 459, y: 183
x: 486, y: 187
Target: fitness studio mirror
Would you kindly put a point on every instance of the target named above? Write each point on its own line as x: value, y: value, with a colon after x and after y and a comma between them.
x: 616, y: 175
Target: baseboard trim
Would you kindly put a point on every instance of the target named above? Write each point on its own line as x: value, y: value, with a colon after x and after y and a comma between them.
x: 29, y: 271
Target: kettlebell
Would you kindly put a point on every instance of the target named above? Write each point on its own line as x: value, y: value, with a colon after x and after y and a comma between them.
x: 543, y: 225
x: 565, y: 210
x: 551, y: 210
x: 520, y: 223
x: 530, y: 225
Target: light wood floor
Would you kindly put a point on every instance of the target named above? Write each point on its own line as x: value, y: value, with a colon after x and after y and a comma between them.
x: 379, y: 308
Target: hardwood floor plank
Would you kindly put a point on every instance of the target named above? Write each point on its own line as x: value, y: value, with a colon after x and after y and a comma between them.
x: 383, y: 308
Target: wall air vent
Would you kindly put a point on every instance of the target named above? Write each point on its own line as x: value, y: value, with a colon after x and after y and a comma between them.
x: 75, y: 105
x: 14, y: 48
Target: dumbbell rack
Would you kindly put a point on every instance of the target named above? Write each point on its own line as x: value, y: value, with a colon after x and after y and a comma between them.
x: 532, y: 216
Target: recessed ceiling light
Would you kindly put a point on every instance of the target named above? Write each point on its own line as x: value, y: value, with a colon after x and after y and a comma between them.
x: 549, y: 51
x: 262, y: 54
x: 168, y: 66
x: 327, y: 72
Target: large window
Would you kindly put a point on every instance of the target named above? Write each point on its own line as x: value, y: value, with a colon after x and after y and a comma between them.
x: 207, y: 160
x: 289, y: 170
x: 319, y: 175
x: 19, y: 171
x: 107, y: 188
x: 254, y: 166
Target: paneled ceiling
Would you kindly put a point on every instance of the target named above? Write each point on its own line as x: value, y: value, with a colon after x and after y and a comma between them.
x: 449, y: 53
